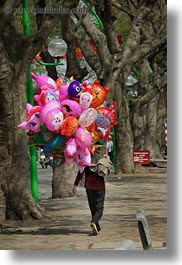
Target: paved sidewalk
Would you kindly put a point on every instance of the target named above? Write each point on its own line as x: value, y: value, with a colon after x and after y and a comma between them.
x: 68, y: 225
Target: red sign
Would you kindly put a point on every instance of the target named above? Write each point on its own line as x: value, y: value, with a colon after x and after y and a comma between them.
x: 141, y: 156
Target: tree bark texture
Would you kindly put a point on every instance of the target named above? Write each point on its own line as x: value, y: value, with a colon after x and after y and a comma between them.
x: 63, y: 179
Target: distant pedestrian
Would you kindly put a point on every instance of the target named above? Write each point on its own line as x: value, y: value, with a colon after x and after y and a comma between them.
x: 95, y: 189
x: 110, y: 149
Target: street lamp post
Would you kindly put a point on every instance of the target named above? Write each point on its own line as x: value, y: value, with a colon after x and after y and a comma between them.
x: 57, y: 48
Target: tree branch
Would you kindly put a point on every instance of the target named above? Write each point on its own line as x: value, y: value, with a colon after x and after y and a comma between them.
x: 100, y: 42
x: 73, y: 66
x: 106, y: 15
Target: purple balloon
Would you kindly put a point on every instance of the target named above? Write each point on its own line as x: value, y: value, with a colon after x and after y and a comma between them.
x: 74, y: 89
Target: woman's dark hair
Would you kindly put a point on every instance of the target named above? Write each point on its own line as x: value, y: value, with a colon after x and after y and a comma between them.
x: 67, y: 108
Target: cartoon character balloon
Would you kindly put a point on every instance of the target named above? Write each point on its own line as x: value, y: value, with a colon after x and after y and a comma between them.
x: 44, y: 80
x: 70, y: 150
x: 102, y: 122
x: 54, y: 119
x: 45, y: 96
x: 87, y: 117
x: 109, y: 115
x: 52, y: 104
x: 69, y: 126
x: 70, y: 107
x: 83, y: 138
x: 32, y: 121
x: 74, y: 90
x: 99, y: 94
x: 86, y: 98
x: 63, y: 91
x: 70, y: 146
x: 83, y: 159
x: 59, y: 82
x: 96, y: 136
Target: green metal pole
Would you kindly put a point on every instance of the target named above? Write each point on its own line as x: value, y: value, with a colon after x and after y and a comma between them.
x: 114, y: 148
x: 95, y: 14
x: 30, y: 94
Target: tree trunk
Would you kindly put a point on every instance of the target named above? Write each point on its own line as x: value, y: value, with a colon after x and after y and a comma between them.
x: 14, y: 173
x: 6, y: 128
x: 161, y: 117
x: 144, y: 111
x: 151, y: 124
x: 124, y: 147
x: 63, y: 180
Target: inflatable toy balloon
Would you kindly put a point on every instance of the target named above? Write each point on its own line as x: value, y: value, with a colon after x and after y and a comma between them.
x: 70, y: 151
x: 63, y: 91
x: 87, y: 117
x: 109, y: 115
x: 32, y: 121
x: 69, y: 126
x: 102, y: 131
x: 86, y: 84
x: 99, y: 94
x: 31, y: 110
x: 86, y: 98
x: 74, y: 90
x: 92, y: 127
x: 96, y: 136
x: 54, y: 119
x: 83, y: 138
x: 45, y: 96
x: 70, y: 147
x: 102, y: 122
x: 56, y: 143
x: 52, y: 104
x: 70, y: 107
x: 83, y: 159
x: 42, y: 80
x: 92, y: 149
x: 108, y: 134
x: 59, y: 82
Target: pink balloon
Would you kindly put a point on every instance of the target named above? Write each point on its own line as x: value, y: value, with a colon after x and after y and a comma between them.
x: 45, y: 96
x: 83, y: 159
x: 63, y: 91
x: 86, y: 98
x: 70, y: 147
x: 87, y: 117
x: 70, y: 107
x: 52, y: 104
x: 70, y: 150
x: 54, y: 119
x: 32, y: 121
x: 83, y: 138
x: 42, y: 80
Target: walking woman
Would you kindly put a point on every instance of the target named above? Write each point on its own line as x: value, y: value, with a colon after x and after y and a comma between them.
x: 95, y: 189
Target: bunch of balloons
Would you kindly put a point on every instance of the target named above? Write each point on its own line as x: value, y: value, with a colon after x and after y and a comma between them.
x: 70, y: 117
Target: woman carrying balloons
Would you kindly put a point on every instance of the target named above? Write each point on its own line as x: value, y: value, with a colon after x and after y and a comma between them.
x: 95, y: 186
